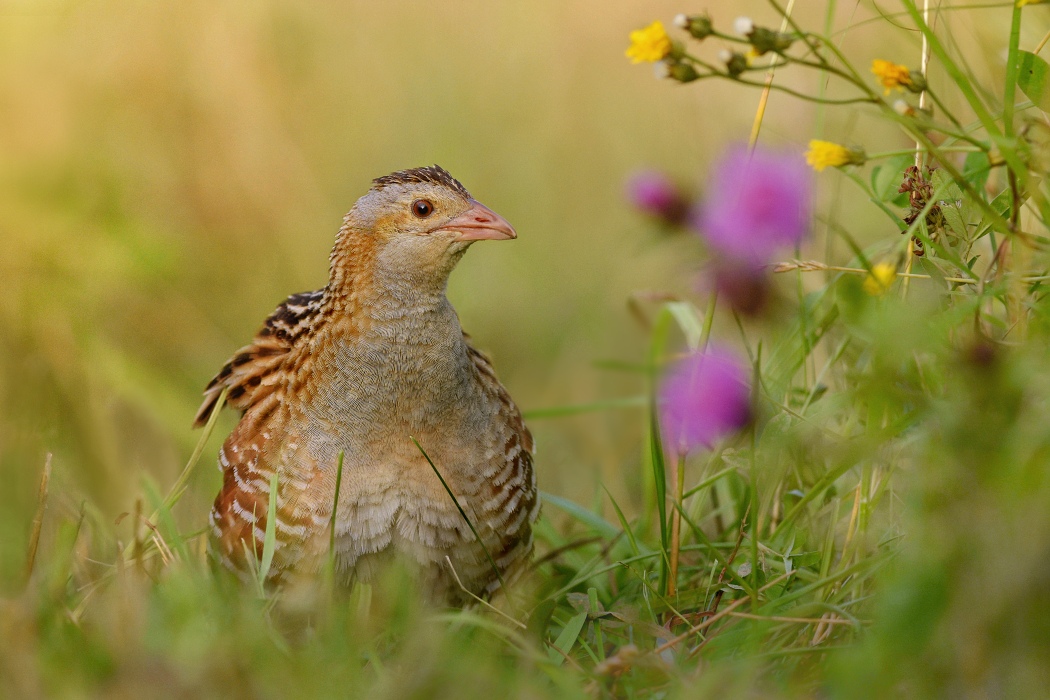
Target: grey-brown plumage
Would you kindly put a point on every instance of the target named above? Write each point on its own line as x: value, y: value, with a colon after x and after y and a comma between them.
x: 359, y: 368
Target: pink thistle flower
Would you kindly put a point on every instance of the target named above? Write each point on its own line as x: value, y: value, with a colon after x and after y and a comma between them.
x: 703, y: 398
x: 654, y: 193
x: 756, y: 204
x: 746, y: 287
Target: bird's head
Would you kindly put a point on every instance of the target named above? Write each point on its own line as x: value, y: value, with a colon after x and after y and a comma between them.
x: 414, y: 225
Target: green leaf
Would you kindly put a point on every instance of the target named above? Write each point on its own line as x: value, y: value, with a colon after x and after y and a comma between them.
x: 976, y: 169
x: 1033, y: 73
x: 688, y: 319
x: 931, y: 269
x: 1001, y: 206
x: 886, y: 178
x: 568, y: 637
x: 954, y: 220
x: 945, y: 186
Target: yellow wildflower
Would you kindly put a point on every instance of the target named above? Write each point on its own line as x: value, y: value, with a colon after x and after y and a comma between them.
x: 891, y: 75
x: 879, y: 280
x: 650, y: 44
x: 824, y: 154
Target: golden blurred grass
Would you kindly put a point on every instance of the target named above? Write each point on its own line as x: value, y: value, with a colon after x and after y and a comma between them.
x: 171, y: 171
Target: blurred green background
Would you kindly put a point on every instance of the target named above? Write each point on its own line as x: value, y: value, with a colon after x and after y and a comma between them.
x: 169, y: 172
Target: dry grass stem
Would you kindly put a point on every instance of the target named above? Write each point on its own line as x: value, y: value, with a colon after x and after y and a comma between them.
x: 38, y: 518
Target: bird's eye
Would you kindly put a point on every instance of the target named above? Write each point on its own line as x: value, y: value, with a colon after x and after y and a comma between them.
x: 422, y: 208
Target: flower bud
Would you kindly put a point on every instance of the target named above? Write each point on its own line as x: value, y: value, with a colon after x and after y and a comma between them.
x: 654, y: 193
x: 736, y: 63
x: 676, y: 53
x: 920, y: 114
x: 744, y: 286
x: 916, y: 82
x: 699, y: 26
x: 765, y: 40
x: 683, y: 73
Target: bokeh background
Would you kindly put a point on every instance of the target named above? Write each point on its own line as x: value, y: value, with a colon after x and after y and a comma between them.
x: 169, y: 172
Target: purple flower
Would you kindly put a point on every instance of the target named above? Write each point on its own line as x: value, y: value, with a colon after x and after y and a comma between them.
x: 653, y: 193
x: 702, y: 398
x: 745, y: 286
x: 756, y: 204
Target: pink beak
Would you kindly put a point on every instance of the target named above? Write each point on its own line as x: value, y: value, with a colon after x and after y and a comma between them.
x: 479, y: 223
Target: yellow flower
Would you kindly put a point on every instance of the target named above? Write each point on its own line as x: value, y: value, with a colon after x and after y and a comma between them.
x: 824, y: 154
x: 891, y: 75
x: 879, y: 280
x: 650, y: 44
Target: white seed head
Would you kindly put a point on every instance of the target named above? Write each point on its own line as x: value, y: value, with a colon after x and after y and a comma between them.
x: 681, y: 20
x: 662, y: 70
x: 743, y: 26
x: 725, y: 55
x: 903, y: 108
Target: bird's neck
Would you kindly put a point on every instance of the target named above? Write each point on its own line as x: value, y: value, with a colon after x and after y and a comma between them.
x: 393, y: 350
x: 366, y: 271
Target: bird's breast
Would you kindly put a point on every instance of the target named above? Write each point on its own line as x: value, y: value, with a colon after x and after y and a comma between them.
x: 412, y: 377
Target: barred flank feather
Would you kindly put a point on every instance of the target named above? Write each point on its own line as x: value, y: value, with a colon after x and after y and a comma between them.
x: 251, y: 372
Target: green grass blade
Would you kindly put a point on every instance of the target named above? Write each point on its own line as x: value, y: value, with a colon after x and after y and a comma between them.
x: 270, y: 540
x: 179, y: 487
x: 594, y: 407
x: 567, y: 638
x: 709, y: 481
x: 656, y: 450
x: 335, y: 508
x: 588, y: 518
x: 656, y: 456
x: 462, y: 512
x: 623, y: 523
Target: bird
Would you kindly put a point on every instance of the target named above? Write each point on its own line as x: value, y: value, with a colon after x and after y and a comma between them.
x: 372, y: 384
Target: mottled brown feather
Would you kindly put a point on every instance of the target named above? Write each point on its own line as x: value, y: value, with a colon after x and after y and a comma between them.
x: 249, y: 374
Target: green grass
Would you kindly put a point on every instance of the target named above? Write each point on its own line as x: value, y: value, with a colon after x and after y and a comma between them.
x: 170, y: 173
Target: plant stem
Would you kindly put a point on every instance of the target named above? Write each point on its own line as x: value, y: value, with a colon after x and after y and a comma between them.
x: 924, y: 62
x: 1015, y: 311
x: 763, y: 100
x: 676, y: 526
x: 38, y: 519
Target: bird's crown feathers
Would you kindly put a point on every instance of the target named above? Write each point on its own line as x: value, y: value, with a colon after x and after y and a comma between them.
x: 433, y: 174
